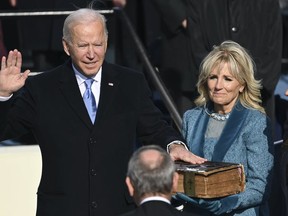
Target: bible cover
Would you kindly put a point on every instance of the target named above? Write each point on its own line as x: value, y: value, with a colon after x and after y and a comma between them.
x: 210, y: 179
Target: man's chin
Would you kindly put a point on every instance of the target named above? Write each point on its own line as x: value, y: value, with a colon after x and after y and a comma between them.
x: 90, y: 71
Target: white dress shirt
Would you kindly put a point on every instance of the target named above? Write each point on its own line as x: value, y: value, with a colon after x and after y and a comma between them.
x: 95, y: 85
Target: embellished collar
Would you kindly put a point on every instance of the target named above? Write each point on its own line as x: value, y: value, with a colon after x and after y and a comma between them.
x: 217, y: 116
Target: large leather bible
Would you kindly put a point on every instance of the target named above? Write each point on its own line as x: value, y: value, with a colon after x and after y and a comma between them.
x: 210, y: 179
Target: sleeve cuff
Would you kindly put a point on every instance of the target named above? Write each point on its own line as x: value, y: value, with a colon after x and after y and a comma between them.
x: 177, y: 142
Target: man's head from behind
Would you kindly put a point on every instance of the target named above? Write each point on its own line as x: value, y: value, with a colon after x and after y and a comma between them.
x: 151, y: 172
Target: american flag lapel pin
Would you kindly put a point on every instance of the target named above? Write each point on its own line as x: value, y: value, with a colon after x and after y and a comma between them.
x: 111, y: 84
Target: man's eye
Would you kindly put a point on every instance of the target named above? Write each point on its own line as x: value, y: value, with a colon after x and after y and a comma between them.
x: 98, y: 45
x: 82, y: 45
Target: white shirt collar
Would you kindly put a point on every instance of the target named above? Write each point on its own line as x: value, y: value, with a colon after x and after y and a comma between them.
x: 81, y: 78
x: 155, y: 198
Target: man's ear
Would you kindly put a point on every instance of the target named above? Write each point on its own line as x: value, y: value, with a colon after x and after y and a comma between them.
x: 65, y: 47
x: 175, y: 181
x: 130, y: 186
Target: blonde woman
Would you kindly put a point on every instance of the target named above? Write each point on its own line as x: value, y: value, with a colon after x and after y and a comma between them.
x: 229, y: 124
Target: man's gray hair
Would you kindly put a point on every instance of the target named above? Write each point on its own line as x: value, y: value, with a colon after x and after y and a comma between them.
x: 151, y: 177
x: 83, y: 16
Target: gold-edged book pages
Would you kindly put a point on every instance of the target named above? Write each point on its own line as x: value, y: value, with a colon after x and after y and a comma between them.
x: 210, y: 179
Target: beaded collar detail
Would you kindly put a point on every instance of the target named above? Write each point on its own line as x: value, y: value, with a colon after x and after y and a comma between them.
x: 217, y: 116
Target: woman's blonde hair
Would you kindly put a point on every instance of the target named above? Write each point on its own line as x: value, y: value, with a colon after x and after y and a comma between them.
x: 241, y: 66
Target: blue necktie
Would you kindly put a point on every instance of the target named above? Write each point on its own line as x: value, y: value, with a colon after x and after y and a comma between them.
x: 89, y: 100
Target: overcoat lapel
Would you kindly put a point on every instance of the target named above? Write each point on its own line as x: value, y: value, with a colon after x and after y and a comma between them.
x: 227, y: 137
x: 70, y: 90
x: 230, y: 131
x: 109, y: 86
x: 198, y: 135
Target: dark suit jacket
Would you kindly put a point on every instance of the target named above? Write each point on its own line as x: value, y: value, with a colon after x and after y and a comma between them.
x: 84, y: 165
x: 155, y: 208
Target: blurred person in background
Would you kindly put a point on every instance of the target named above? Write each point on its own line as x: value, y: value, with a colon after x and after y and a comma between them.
x: 191, y: 28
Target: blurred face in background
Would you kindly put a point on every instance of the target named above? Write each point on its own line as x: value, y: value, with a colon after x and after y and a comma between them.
x: 87, y: 47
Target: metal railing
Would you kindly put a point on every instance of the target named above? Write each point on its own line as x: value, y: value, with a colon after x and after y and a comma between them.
x: 153, y: 74
x: 43, y: 13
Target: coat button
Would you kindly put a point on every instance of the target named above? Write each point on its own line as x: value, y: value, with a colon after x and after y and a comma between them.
x: 92, y: 141
x: 234, y: 29
x: 93, y: 172
x: 94, y: 204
